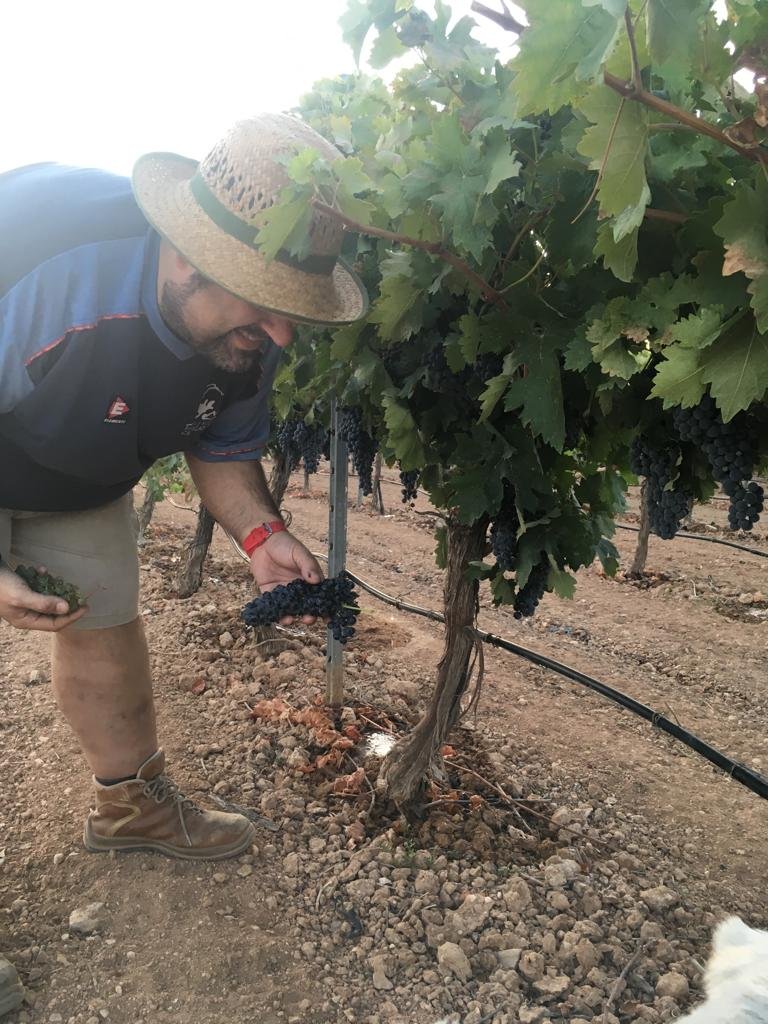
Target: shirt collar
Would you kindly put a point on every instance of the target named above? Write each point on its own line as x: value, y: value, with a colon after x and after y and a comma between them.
x: 149, y: 300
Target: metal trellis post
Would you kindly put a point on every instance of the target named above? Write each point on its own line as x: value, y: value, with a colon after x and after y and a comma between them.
x: 337, y: 552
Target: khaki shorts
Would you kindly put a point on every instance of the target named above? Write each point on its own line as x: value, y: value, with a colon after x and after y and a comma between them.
x: 95, y: 550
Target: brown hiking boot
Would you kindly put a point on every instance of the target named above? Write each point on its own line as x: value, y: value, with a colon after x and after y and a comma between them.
x: 149, y: 813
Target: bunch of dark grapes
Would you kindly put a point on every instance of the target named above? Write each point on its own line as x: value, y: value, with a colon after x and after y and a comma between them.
x: 746, y: 506
x: 55, y: 586
x: 504, y: 530
x: 439, y: 376
x: 334, y: 599
x: 527, y: 598
x: 391, y: 358
x: 285, y: 438
x: 667, y: 506
x: 362, y: 447
x: 731, y: 454
x: 409, y: 479
x: 310, y: 441
x: 488, y: 365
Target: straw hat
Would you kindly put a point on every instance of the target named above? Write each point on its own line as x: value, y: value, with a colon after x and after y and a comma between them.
x: 208, y: 213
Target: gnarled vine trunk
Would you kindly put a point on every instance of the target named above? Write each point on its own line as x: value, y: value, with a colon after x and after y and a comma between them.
x: 144, y: 515
x: 190, y: 574
x: 377, y: 500
x: 403, y: 774
x: 641, y: 551
x: 279, y: 477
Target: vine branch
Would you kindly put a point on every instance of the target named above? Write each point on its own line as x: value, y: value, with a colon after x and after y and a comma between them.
x: 435, y: 248
x: 671, y: 216
x: 636, y: 78
x: 629, y: 91
x: 505, y: 20
x: 633, y: 90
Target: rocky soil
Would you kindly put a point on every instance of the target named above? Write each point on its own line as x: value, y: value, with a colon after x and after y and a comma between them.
x: 570, y: 865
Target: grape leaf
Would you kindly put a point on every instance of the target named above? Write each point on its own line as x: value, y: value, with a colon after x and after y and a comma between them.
x: 736, y: 368
x: 474, y: 489
x: 743, y: 229
x: 618, y: 257
x: 617, y: 144
x: 539, y: 395
x: 563, y: 584
x: 466, y: 215
x: 441, y: 547
x: 679, y: 379
x: 564, y: 46
x: 345, y: 341
x: 490, y: 397
x: 614, y: 7
x: 403, y: 433
x: 386, y: 48
x: 356, y: 22
x: 700, y: 329
x: 618, y: 361
x: 673, y: 29
x: 398, y: 308
x: 502, y: 164
x: 285, y: 227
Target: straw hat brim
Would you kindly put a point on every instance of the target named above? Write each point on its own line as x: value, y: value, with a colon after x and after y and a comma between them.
x: 161, y: 188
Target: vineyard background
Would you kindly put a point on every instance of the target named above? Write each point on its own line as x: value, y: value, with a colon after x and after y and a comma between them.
x: 277, y: 933
x: 563, y: 260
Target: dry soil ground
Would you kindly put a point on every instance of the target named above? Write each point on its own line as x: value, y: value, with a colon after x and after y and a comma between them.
x: 339, y: 913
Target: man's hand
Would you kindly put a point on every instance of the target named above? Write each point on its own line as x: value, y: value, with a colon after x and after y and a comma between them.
x: 281, y: 559
x: 24, y: 609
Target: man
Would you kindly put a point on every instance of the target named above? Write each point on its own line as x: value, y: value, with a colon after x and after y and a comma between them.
x: 134, y: 325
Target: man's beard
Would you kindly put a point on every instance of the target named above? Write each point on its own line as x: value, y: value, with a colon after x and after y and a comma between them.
x: 220, y: 350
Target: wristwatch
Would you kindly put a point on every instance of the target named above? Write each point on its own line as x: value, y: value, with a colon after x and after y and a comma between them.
x: 260, y: 534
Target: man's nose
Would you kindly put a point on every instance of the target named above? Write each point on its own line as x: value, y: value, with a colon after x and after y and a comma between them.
x: 279, y: 329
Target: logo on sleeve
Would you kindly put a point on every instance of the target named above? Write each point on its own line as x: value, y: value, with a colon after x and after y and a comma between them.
x: 118, y: 410
x: 208, y: 409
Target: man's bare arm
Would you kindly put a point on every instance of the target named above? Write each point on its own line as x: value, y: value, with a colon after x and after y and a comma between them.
x: 235, y: 493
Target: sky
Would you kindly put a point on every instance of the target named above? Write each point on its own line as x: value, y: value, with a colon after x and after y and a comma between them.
x: 99, y: 83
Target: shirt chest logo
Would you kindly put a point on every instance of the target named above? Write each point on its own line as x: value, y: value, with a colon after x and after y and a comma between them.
x: 208, y: 409
x: 118, y: 410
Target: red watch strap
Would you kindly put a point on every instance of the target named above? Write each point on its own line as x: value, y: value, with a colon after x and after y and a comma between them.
x: 260, y: 534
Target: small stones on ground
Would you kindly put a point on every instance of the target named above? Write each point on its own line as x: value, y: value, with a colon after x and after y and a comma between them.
x: 11, y: 990
x: 509, y: 958
x: 379, y: 968
x: 659, y: 899
x: 245, y: 871
x: 673, y: 985
x: 453, y: 960
x: 58, y: 858
x: 220, y: 878
x: 552, y: 987
x: 87, y: 920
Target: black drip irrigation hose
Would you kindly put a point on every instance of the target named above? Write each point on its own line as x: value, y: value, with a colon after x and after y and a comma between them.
x: 754, y: 781
x: 709, y: 540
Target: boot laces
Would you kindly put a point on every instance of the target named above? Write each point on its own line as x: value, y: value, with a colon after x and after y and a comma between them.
x: 161, y: 789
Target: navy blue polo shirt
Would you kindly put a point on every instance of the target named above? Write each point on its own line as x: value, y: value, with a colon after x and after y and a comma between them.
x: 94, y: 387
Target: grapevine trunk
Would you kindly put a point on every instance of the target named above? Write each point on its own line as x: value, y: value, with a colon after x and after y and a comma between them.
x: 641, y: 551
x: 193, y: 555
x: 404, y: 772
x: 144, y: 514
x: 279, y: 477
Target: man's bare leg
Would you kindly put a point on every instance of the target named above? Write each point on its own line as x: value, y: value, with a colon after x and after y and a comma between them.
x: 103, y: 685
